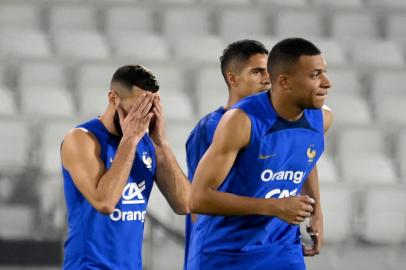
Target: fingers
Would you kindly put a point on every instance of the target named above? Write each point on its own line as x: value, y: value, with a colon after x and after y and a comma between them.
x: 299, y: 219
x: 307, y: 199
x: 157, y: 109
x: 316, y: 239
x: 137, y: 103
x: 295, y: 222
x: 309, y: 252
x: 309, y: 209
x: 146, y: 105
x: 308, y: 203
x: 305, y: 213
x: 157, y: 103
x: 142, y: 106
x: 317, y: 242
x: 148, y: 118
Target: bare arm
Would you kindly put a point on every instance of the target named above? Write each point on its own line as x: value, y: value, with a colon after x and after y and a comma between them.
x: 327, y: 117
x: 232, y: 134
x: 81, y: 157
x: 170, y: 179
x: 311, y: 188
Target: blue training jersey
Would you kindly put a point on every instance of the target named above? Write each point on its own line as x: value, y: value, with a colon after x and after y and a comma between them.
x: 274, y: 164
x: 97, y: 241
x: 197, y: 144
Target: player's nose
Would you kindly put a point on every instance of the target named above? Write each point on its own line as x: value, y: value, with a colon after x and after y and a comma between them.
x: 325, y: 82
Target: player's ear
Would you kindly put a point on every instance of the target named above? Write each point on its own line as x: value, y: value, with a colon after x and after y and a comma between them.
x: 231, y: 79
x: 283, y: 81
x: 113, y: 97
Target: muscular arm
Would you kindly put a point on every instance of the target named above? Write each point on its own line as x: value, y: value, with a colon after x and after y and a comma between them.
x: 232, y: 134
x: 311, y: 188
x: 170, y: 179
x: 81, y: 157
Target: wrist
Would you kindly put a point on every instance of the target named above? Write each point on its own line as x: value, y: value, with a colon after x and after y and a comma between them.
x: 317, y: 210
x: 133, y: 139
x: 272, y: 207
x: 161, y: 144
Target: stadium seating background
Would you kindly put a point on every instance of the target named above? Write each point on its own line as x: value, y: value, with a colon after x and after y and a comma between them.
x: 57, y: 58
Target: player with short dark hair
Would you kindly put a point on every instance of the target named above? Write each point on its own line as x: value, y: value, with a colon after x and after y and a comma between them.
x: 243, y: 65
x: 247, y: 187
x: 109, y: 166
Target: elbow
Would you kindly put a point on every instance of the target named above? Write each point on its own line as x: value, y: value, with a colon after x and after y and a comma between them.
x: 195, y: 203
x: 182, y: 206
x: 183, y: 209
x: 105, y: 208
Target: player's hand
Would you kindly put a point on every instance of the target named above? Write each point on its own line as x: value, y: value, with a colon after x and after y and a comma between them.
x: 157, y: 125
x: 315, y: 230
x: 294, y: 209
x: 135, y: 123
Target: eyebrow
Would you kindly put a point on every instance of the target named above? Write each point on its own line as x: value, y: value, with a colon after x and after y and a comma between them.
x: 258, y: 69
x: 319, y: 70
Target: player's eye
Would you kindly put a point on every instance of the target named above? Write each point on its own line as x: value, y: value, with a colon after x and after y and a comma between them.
x: 315, y: 75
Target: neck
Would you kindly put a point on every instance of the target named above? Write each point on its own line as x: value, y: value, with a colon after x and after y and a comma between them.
x: 107, y: 118
x: 233, y: 98
x: 284, y: 106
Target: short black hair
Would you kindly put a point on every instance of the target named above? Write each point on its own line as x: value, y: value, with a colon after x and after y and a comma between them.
x: 136, y: 75
x: 287, y: 52
x: 240, y: 52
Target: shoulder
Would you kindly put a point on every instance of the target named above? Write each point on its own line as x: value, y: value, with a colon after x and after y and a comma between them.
x: 257, y: 107
x: 78, y: 141
x: 206, y: 125
x: 236, y: 115
x: 256, y: 99
x: 235, y: 127
x: 327, y: 117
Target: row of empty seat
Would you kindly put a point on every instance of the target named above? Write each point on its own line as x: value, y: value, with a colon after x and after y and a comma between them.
x: 57, y: 58
x: 350, y: 4
x: 203, y: 19
x: 79, y: 45
x: 357, y: 98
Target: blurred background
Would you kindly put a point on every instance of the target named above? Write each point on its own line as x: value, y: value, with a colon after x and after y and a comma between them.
x: 56, y: 61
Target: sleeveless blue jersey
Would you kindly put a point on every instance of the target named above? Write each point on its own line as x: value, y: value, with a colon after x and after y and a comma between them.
x: 97, y: 241
x: 276, y: 162
x: 196, y: 145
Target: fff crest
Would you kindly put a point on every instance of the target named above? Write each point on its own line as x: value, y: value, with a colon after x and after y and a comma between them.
x: 311, y: 153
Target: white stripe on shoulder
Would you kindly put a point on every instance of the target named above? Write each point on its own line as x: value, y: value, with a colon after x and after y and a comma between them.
x: 325, y: 107
x: 82, y: 128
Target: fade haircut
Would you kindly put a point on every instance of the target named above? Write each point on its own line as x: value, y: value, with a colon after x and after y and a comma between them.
x: 238, y: 53
x: 135, y: 75
x: 286, y: 53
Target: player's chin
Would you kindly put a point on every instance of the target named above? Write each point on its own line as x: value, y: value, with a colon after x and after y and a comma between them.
x: 318, y: 102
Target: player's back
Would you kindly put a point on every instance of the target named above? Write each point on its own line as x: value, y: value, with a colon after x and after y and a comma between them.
x: 197, y: 144
x: 275, y: 164
x: 200, y: 139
